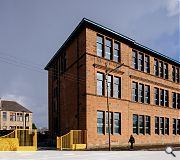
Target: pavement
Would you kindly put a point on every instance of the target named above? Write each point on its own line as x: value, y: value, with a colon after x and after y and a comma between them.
x: 89, y: 155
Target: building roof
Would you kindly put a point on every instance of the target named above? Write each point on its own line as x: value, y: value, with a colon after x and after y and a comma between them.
x: 88, y: 23
x: 13, y: 106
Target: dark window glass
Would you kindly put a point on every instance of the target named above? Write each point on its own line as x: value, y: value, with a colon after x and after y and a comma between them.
x: 173, y: 74
x: 141, y: 62
x: 100, y: 122
x: 117, y: 87
x: 178, y: 101
x: 135, y: 91
x: 174, y: 126
x: 141, y: 124
x: 108, y: 49
x: 161, y: 125
x: 141, y: 93
x: 177, y: 75
x: 116, y: 52
x: 173, y: 100
x: 147, y: 124
x: 165, y: 70
x: 117, y: 123
x: 156, y: 67
x: 161, y: 69
x: 147, y: 65
x: 166, y: 125
x: 178, y: 126
x: 111, y: 122
x: 99, y: 43
x: 110, y: 86
x: 166, y: 98
x: 147, y: 94
x: 134, y: 60
x: 100, y: 84
x: 135, y: 124
x: 156, y: 125
x: 156, y: 96
x: 161, y: 97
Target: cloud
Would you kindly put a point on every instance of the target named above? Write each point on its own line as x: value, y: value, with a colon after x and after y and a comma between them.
x: 173, y: 7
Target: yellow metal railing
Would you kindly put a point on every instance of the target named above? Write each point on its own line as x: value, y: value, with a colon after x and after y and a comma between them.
x: 75, y: 139
x: 20, y: 139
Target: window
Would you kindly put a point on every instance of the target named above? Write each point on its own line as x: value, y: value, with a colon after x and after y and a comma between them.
x: 111, y: 119
x: 135, y: 124
x: 4, y: 116
x: 156, y: 125
x: 141, y: 93
x: 19, y: 117
x: 99, y: 43
x: 174, y: 126
x: 156, y: 96
x: 173, y: 100
x: 12, y: 116
x: 177, y: 75
x: 165, y: 70
x: 27, y: 117
x: 108, y: 49
x: 100, y: 122
x: 173, y: 74
x: 141, y: 124
x: 147, y: 94
x: 166, y: 125
x: 134, y: 60
x: 161, y: 125
x: 178, y: 126
x: 147, y: 65
x: 156, y: 67
x: 141, y: 62
x: 178, y: 101
x: 147, y: 124
x: 166, y: 98
x: 161, y: 69
x: 117, y: 122
x: 116, y: 52
x: 110, y: 86
x: 117, y: 87
x: 100, y: 84
x: 161, y: 97
x: 135, y: 91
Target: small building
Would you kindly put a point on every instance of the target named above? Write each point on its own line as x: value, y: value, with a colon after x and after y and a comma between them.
x: 142, y: 97
x: 13, y: 115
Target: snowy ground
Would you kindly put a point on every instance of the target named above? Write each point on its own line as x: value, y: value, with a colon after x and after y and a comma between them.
x: 89, y: 155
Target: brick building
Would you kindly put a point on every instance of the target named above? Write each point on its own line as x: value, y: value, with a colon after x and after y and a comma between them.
x: 144, y: 94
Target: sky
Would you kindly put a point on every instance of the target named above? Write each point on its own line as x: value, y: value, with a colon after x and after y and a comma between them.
x: 31, y: 31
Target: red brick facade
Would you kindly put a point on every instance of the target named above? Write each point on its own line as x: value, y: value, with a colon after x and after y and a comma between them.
x: 73, y: 99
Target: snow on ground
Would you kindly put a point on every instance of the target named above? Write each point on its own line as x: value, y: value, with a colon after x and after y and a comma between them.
x: 89, y: 155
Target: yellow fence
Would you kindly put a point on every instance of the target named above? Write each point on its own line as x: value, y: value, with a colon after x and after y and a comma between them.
x: 19, y: 140
x: 75, y: 139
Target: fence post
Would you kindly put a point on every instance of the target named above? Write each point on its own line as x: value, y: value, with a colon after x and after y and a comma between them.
x: 16, y: 133
x: 61, y: 143
x: 35, y: 139
x: 71, y: 139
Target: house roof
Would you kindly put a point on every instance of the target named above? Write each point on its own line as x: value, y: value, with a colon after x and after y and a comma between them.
x: 13, y: 106
x: 97, y: 27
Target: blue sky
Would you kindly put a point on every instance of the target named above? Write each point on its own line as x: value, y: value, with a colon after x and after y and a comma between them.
x: 31, y: 31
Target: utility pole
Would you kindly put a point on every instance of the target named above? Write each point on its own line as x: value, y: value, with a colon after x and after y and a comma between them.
x: 107, y: 90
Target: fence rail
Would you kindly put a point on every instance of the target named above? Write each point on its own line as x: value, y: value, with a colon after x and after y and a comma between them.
x: 75, y: 139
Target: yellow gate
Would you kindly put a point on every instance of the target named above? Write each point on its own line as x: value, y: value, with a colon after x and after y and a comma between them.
x: 19, y: 140
x: 75, y: 139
